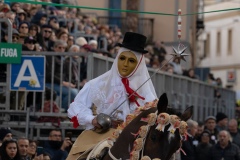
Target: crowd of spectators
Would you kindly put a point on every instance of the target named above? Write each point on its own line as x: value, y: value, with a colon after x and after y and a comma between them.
x: 54, y: 148
x: 218, y: 137
x: 37, y: 27
x: 61, y: 29
x: 214, y: 139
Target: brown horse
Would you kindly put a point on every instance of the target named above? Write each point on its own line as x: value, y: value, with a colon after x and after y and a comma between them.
x: 158, y: 144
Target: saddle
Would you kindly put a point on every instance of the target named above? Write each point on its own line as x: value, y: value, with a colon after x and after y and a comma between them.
x: 99, y: 150
x: 88, y: 141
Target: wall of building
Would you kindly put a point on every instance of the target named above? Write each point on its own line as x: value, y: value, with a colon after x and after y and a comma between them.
x: 165, y: 27
x: 96, y: 4
x: 222, y: 22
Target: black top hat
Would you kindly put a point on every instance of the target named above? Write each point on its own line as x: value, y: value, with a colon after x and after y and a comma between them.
x: 134, y: 41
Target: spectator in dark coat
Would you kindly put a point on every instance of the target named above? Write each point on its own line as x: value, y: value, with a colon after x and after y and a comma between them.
x: 45, y: 42
x: 210, y: 125
x: 29, y: 44
x: 60, y: 85
x: 40, y: 18
x: 159, y: 50
x: 55, y: 147
x: 224, y: 149
x: 83, y: 66
x: 222, y: 121
x: 233, y: 130
x: 189, y: 145
x: 73, y: 63
x: 5, y: 134
x: 204, y: 146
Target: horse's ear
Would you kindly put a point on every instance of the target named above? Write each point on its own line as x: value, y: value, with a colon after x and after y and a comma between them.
x: 162, y: 103
x: 187, y: 113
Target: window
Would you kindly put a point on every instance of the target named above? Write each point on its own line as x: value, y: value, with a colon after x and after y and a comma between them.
x: 218, y: 43
x: 229, y: 42
x: 207, y: 43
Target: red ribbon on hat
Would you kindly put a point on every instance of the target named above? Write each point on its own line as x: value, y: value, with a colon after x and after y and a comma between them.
x: 133, y: 95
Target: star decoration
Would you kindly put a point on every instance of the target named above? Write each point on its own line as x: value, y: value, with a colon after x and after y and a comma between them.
x: 179, y: 54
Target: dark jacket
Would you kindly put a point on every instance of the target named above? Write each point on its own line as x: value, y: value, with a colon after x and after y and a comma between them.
x: 83, y: 69
x: 189, y: 149
x: 57, y: 69
x: 160, y: 52
x: 231, y: 152
x: 236, y: 138
x: 213, y: 136
x: 74, y: 71
x: 25, y: 48
x: 53, y: 149
x: 47, y: 45
x: 202, y: 150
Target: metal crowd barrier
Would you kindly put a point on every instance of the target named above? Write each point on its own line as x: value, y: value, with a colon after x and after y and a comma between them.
x: 181, y: 91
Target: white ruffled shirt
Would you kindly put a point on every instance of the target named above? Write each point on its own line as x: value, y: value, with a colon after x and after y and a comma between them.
x: 107, y: 92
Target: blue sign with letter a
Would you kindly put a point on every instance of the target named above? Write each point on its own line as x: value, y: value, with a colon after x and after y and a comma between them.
x: 29, y: 75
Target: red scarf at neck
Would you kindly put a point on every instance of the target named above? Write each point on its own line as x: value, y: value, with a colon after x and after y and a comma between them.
x: 133, y: 95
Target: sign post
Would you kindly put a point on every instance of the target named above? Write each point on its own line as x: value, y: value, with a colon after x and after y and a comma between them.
x: 29, y: 75
x: 10, y: 53
x: 231, y: 76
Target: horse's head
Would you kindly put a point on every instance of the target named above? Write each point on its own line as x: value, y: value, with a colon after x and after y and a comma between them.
x: 156, y: 132
x: 164, y: 140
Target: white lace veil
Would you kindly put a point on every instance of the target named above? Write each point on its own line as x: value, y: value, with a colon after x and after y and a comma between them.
x: 107, y: 91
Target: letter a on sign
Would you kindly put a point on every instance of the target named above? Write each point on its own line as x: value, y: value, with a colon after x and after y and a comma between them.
x: 29, y: 75
x: 27, y: 64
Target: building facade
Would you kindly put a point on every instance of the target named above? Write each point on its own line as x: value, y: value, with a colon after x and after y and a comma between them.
x: 218, y: 45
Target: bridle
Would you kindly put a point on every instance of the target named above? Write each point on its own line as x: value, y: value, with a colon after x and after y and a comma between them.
x: 152, y: 119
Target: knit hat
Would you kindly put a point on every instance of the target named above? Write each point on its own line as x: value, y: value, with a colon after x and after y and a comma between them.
x: 3, y: 133
x: 86, y: 47
x: 210, y: 117
x: 220, y: 116
x: 81, y: 41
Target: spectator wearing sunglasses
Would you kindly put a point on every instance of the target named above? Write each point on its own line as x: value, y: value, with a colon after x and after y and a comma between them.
x: 45, y: 41
x: 23, y: 28
x: 15, y: 36
x: 29, y: 44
